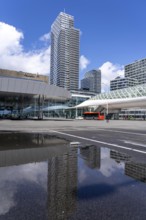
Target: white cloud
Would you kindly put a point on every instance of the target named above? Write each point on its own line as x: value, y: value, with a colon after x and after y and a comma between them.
x: 11, y: 177
x: 108, y: 165
x: 45, y: 37
x: 7, y: 198
x: 12, y: 55
x: 10, y: 39
x: 84, y: 62
x: 110, y: 71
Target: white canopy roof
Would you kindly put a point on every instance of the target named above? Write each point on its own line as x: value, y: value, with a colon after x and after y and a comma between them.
x: 115, y: 103
x: 122, y: 98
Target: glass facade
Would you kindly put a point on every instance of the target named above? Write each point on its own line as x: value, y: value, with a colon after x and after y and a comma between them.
x: 64, y: 71
x: 92, y: 81
x: 39, y: 107
x: 25, y: 95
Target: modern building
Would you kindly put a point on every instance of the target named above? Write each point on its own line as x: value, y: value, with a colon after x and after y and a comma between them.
x: 121, y: 83
x: 133, y: 113
x: 77, y: 97
x: 28, y: 95
x: 135, y: 74
x: 92, y: 81
x: 64, y: 66
x: 136, y: 70
x: 114, y: 101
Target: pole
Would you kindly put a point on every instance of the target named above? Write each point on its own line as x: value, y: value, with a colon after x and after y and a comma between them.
x: 107, y: 109
x: 107, y: 119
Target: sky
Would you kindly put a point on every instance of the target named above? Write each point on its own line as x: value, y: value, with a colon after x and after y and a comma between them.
x: 112, y: 34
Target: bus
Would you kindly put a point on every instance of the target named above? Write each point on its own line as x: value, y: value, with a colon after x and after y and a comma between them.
x: 93, y: 115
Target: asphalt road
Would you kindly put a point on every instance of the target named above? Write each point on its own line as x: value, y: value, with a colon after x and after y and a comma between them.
x: 103, y: 193
x: 132, y: 142
x: 126, y: 136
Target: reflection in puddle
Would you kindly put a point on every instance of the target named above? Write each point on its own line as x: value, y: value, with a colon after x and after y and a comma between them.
x: 62, y: 185
x: 28, y: 189
x: 132, y: 169
x: 16, y: 149
x: 45, y: 177
x: 136, y: 171
x: 91, y: 154
x: 119, y: 157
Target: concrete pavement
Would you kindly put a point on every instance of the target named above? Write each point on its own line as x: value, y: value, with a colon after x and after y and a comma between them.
x: 46, y: 125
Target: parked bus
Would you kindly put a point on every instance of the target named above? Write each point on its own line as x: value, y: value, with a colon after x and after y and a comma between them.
x: 93, y: 115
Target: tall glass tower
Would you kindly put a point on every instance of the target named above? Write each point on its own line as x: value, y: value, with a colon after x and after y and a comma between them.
x: 92, y: 81
x: 64, y: 67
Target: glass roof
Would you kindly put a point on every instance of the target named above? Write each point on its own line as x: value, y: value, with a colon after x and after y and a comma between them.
x: 130, y: 92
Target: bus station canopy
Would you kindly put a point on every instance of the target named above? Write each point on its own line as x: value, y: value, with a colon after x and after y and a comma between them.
x: 123, y: 98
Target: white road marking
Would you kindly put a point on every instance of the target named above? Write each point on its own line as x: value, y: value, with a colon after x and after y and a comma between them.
x: 134, y: 143
x: 101, y: 142
x: 102, y: 129
x: 124, y: 132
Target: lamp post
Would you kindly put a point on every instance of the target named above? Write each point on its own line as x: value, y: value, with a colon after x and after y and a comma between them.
x: 107, y: 108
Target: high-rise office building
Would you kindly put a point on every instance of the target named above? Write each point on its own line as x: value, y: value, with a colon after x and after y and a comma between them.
x: 92, y: 81
x: 121, y: 83
x: 64, y: 67
x: 135, y: 74
x: 137, y: 70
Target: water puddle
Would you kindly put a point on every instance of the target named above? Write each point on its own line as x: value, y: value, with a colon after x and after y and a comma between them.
x: 44, y: 177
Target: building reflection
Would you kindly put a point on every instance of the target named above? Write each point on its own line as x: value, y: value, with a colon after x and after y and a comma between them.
x: 91, y: 154
x: 136, y: 171
x: 132, y: 168
x: 62, y: 185
x: 119, y: 157
x: 23, y: 148
x: 61, y: 158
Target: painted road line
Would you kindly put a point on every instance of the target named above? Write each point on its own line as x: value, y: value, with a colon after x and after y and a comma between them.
x: 100, y: 129
x: 124, y: 132
x: 134, y: 143
x: 100, y: 142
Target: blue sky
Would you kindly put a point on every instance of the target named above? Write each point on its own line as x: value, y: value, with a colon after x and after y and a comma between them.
x: 113, y: 33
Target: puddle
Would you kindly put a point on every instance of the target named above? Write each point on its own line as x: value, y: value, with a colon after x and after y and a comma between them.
x: 43, y: 177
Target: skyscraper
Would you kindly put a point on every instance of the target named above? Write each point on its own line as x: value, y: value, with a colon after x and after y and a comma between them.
x: 92, y: 81
x: 64, y: 68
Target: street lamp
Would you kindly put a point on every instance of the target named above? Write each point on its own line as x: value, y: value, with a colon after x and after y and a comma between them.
x: 107, y: 109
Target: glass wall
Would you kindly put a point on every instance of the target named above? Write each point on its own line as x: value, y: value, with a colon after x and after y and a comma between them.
x: 133, y: 114
x: 39, y: 107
